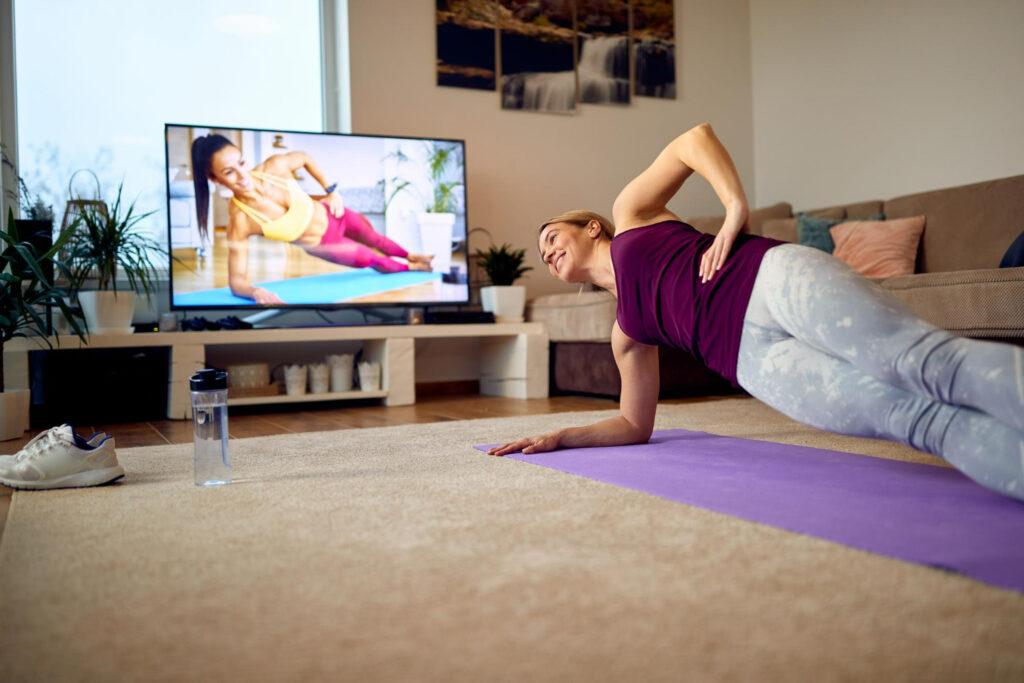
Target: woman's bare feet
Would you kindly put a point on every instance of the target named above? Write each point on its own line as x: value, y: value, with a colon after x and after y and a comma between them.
x: 419, y: 261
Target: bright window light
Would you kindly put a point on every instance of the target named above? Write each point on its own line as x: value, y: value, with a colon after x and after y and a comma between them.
x: 97, y: 80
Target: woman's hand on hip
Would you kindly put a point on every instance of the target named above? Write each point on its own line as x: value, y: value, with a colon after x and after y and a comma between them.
x: 736, y: 221
x: 530, y: 444
x: 712, y: 260
x: 336, y: 204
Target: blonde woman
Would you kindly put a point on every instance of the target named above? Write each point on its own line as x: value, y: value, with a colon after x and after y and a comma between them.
x: 791, y: 325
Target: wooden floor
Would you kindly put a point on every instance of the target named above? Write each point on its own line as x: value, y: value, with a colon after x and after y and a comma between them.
x: 263, y: 422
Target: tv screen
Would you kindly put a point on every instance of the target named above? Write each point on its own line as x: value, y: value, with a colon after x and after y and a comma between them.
x: 272, y: 219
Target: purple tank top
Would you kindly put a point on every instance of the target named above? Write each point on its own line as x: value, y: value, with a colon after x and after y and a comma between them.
x: 661, y: 300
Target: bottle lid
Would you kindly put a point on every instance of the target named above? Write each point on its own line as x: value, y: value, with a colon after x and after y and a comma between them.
x: 209, y: 379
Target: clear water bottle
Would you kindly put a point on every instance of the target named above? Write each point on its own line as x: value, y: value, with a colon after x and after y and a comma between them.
x: 209, y: 390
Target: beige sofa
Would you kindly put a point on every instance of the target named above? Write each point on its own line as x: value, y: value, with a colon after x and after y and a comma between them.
x: 957, y: 284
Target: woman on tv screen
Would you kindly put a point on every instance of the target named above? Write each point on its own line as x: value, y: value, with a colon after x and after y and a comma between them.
x: 267, y: 201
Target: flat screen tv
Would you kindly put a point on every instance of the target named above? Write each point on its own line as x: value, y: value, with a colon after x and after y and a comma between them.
x: 274, y: 219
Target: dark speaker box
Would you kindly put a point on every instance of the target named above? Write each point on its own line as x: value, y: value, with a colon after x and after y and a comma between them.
x: 98, y: 386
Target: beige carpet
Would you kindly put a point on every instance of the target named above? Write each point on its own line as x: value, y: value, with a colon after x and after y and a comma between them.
x: 401, y: 553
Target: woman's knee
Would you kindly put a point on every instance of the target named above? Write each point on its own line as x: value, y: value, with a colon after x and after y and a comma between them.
x: 919, y: 422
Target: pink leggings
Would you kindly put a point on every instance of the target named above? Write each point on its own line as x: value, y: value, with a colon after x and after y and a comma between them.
x: 351, y: 240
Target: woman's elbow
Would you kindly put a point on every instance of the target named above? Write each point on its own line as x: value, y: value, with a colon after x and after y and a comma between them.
x: 643, y: 436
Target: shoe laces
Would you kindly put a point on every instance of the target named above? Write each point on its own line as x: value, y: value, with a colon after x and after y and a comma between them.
x: 42, y: 443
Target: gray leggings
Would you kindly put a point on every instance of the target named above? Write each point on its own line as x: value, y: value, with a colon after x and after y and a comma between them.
x: 831, y: 349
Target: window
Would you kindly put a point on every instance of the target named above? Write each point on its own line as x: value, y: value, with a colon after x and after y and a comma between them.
x: 97, y: 80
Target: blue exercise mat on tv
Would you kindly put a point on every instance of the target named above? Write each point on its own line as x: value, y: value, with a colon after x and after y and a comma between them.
x: 313, y: 289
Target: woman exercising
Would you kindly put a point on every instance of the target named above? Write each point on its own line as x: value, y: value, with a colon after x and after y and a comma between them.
x: 268, y: 202
x: 791, y: 325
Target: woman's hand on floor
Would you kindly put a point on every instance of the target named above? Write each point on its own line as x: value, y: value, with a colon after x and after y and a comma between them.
x: 530, y: 444
x: 265, y: 296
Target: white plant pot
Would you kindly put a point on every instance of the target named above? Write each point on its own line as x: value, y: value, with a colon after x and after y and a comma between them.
x: 506, y: 303
x: 108, y: 312
x: 13, y: 413
x: 436, y: 238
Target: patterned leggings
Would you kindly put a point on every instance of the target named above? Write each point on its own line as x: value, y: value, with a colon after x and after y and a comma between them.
x: 351, y: 240
x: 831, y: 349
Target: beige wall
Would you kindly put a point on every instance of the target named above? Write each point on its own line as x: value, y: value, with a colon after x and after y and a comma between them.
x: 872, y: 99
x: 524, y: 167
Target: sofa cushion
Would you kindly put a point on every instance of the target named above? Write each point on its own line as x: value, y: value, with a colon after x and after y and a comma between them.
x: 780, y: 229
x: 814, y: 232
x: 969, y: 227
x: 812, y: 227
x: 879, y: 248
x: 757, y: 217
x: 587, y: 316
x: 985, y: 303
x: 831, y: 213
x: 870, y: 208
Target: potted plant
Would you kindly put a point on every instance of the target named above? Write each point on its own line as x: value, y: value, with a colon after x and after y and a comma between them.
x: 36, y: 222
x: 503, y: 265
x: 24, y: 288
x: 436, y: 217
x: 103, y: 247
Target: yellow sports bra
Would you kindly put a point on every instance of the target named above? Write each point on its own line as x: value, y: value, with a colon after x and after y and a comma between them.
x: 289, y: 226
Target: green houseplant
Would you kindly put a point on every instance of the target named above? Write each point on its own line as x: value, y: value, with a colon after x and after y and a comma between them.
x: 104, y: 247
x: 25, y: 291
x: 503, y: 265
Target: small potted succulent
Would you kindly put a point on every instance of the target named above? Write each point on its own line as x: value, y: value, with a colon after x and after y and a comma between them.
x: 106, y: 245
x: 25, y: 291
x: 503, y: 265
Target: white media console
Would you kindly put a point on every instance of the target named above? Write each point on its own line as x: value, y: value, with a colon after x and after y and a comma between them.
x: 513, y: 357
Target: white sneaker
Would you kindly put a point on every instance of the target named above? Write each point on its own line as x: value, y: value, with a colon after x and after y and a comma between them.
x: 94, y: 440
x: 59, y: 458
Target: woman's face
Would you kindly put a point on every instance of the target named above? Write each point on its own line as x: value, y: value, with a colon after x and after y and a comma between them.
x: 228, y: 168
x: 563, y: 247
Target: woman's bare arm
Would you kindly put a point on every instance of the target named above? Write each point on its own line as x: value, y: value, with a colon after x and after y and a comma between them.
x: 238, y: 263
x: 644, y: 200
x: 638, y: 402
x: 296, y: 160
x: 698, y: 149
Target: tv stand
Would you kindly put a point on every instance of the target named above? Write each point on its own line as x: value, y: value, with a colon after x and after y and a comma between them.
x: 513, y: 357
x: 271, y: 313
x: 256, y: 318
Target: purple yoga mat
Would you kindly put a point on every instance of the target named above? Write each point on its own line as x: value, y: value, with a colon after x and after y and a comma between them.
x: 919, y: 513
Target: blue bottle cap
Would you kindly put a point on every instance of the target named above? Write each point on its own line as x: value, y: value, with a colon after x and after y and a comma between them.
x: 209, y: 379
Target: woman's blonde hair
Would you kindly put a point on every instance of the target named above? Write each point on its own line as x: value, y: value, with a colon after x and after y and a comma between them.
x: 580, y: 218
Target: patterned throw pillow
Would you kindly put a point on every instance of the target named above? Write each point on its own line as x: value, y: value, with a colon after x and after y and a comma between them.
x: 879, y: 249
x: 814, y: 232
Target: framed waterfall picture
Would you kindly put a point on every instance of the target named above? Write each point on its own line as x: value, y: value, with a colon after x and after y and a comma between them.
x: 602, y: 35
x: 654, y: 48
x: 553, y: 55
x: 538, y: 56
x: 466, y: 43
